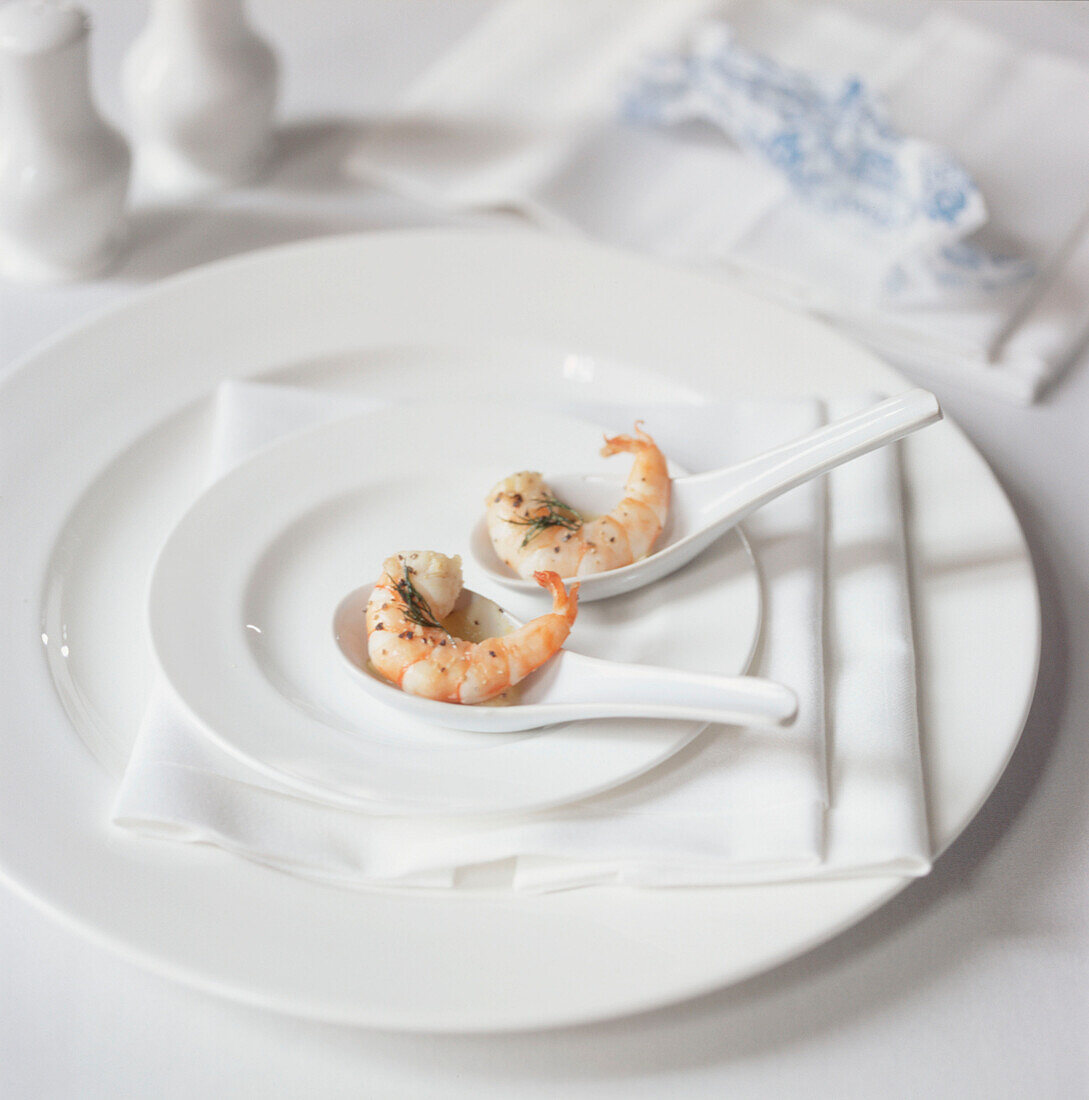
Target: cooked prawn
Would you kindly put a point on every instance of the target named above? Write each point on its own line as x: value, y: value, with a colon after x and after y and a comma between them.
x: 408, y: 645
x: 530, y: 529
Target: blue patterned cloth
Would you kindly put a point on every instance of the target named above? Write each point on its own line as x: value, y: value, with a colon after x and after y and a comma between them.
x: 832, y: 141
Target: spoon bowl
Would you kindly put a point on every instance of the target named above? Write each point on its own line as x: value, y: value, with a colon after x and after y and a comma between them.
x: 704, y: 506
x: 570, y: 686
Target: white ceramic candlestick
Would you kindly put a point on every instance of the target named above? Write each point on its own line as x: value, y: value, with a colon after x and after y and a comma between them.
x: 200, y: 88
x: 63, y: 171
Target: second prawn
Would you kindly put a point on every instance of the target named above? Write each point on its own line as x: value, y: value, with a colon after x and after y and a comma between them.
x: 531, y: 530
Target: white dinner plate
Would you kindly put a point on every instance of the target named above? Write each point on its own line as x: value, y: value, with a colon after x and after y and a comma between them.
x: 242, y: 600
x: 104, y: 436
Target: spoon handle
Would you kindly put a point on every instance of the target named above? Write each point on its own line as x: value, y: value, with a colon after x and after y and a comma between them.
x: 647, y: 691
x: 749, y: 485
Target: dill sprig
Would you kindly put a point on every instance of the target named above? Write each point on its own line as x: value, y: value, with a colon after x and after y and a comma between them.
x: 416, y: 606
x: 555, y: 514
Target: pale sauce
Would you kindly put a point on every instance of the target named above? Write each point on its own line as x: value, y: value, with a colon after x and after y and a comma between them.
x: 474, y: 619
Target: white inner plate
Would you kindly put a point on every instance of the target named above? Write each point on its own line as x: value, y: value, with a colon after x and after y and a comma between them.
x: 242, y: 600
x: 104, y: 442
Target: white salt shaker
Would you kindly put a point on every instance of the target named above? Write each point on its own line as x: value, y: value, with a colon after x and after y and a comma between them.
x: 200, y: 88
x: 63, y: 171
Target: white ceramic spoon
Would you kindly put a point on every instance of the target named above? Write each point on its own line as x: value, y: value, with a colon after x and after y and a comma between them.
x: 572, y: 686
x: 703, y: 506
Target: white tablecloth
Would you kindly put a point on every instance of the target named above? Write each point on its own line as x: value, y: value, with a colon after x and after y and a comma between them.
x: 971, y: 983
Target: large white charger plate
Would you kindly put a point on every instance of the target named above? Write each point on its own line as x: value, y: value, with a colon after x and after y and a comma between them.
x: 241, y: 603
x: 103, y: 439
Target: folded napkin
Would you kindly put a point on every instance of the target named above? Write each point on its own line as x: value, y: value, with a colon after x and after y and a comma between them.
x: 836, y: 797
x: 904, y: 203
x: 928, y: 190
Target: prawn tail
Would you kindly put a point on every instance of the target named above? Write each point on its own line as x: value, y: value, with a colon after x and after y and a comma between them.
x: 565, y: 603
x: 633, y: 444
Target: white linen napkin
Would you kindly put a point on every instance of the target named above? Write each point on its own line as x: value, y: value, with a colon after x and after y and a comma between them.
x: 527, y: 112
x: 735, y: 806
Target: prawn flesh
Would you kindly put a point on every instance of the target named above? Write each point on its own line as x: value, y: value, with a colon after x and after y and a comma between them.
x: 408, y: 645
x: 531, y: 530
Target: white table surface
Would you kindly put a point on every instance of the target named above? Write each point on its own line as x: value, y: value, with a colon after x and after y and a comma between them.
x: 973, y: 982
